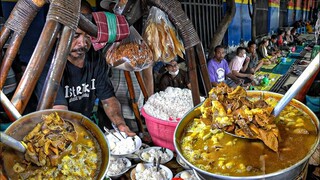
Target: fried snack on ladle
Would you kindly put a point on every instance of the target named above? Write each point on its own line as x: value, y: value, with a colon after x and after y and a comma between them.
x: 230, y: 109
x: 49, y: 140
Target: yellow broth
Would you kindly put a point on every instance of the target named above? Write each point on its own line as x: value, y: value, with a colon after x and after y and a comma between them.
x: 220, y: 153
x: 83, y: 161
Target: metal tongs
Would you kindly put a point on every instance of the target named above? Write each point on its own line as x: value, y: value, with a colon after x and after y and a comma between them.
x: 163, y: 150
x: 117, y: 130
x: 156, y: 163
x: 109, y: 132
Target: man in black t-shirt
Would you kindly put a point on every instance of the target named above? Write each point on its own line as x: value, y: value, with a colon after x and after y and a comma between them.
x: 85, y: 78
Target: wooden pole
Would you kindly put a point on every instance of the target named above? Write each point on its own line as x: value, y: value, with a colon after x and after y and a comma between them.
x: 5, y: 32
x: 36, y: 64
x: 55, y: 73
x: 142, y: 86
x: 133, y: 101
x: 191, y: 62
x: 203, y: 68
x: 9, y: 57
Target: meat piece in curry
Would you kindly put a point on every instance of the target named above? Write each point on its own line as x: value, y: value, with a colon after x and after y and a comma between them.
x: 49, y: 139
x: 229, y: 109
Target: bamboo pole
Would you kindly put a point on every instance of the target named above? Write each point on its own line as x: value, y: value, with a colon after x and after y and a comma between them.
x: 55, y: 73
x: 4, y: 35
x: 19, y: 21
x: 35, y: 66
x: 203, y: 68
x: 142, y: 86
x: 191, y: 63
x: 9, y: 57
x: 133, y: 101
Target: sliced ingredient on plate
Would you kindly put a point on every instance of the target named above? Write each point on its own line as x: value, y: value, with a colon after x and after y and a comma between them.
x: 186, y: 175
x: 118, y: 166
x: 149, y: 154
x: 149, y: 171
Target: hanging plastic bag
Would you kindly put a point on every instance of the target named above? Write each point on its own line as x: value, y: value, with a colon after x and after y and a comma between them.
x: 162, y: 37
x: 131, y: 54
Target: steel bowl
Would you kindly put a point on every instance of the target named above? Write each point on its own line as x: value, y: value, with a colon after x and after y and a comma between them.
x: 291, y: 172
x: 25, y: 124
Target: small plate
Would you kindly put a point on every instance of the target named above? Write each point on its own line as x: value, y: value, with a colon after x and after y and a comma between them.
x: 125, y: 146
x: 127, y: 163
x: 148, y: 154
x: 149, y: 165
x: 189, y: 172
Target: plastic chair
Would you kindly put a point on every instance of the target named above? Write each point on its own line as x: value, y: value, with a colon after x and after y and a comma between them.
x: 299, y: 30
x: 303, y: 30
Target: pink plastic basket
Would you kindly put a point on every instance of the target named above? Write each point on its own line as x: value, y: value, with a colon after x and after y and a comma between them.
x: 161, y: 131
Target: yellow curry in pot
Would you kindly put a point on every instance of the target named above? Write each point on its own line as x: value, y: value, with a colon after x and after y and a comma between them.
x: 206, y: 146
x: 56, y: 149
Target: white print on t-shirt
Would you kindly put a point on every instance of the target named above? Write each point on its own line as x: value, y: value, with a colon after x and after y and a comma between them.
x: 220, y: 73
x: 78, y: 92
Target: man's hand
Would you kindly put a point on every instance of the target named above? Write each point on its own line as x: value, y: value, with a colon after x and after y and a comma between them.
x: 239, y: 81
x: 112, y: 108
x: 267, y: 62
x: 124, y: 128
x: 247, y: 60
x: 250, y: 76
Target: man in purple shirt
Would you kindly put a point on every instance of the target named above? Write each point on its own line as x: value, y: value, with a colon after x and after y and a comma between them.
x: 219, y: 70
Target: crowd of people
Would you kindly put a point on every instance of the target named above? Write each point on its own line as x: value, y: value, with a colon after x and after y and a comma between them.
x: 248, y: 60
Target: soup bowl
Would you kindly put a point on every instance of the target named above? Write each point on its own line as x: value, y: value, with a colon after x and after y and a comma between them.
x: 293, y: 171
x: 21, y: 127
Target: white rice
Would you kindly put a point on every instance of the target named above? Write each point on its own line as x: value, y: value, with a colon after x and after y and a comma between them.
x: 125, y: 146
x: 171, y: 104
x: 116, y: 166
x: 152, y: 154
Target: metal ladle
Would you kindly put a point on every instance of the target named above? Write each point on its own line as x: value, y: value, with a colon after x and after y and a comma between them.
x: 11, y: 142
x: 4, y: 138
x: 311, y: 69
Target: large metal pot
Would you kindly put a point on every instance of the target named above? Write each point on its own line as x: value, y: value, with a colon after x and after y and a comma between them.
x: 25, y: 124
x: 288, y: 173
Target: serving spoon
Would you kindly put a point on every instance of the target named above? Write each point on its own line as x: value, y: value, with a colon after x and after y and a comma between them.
x: 311, y: 69
x: 4, y: 138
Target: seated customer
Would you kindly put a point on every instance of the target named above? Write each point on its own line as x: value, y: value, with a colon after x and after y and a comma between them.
x: 218, y: 69
x: 263, y: 52
x: 309, y: 27
x: 254, y: 64
x: 273, y: 48
x: 282, y: 44
x: 174, y: 77
x: 288, y: 38
x: 295, y: 36
x: 239, y: 65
